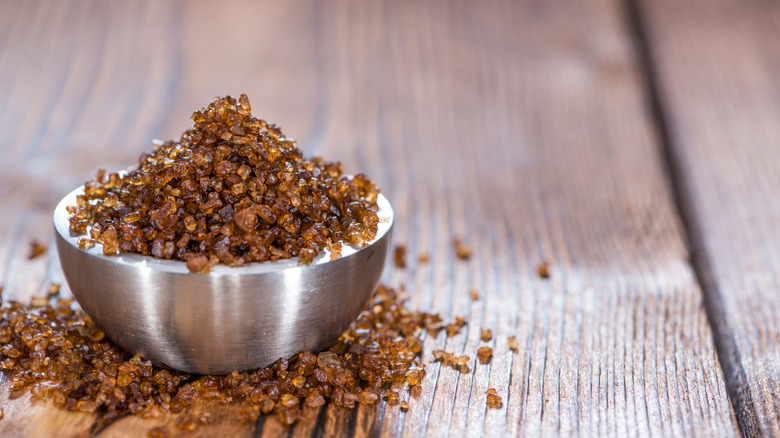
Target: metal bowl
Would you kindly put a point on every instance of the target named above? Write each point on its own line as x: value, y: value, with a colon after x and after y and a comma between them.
x: 234, y: 318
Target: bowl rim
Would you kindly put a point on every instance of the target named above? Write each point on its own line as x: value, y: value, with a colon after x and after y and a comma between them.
x: 62, y: 227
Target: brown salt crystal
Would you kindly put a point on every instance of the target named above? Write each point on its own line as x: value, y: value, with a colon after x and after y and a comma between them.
x: 86, y: 406
x: 314, y: 400
x: 10, y: 351
x: 244, y: 171
x: 39, y: 301
x: 543, y: 270
x: 85, y: 243
x: 368, y: 397
x: 485, y: 335
x: 422, y: 259
x: 493, y: 399
x: 132, y: 217
x: 288, y: 400
x: 110, y: 242
x: 37, y: 249
x: 453, y: 328
x: 513, y: 344
x: 326, y: 358
x: 400, y: 256
x: 246, y: 219
x: 474, y: 295
x: 298, y: 381
x: 484, y: 354
x: 461, y: 360
x: 267, y: 406
x: 339, y: 378
x: 451, y: 359
x: 54, y: 289
x: 198, y: 264
x: 391, y: 396
x: 415, y: 376
x: 462, y: 250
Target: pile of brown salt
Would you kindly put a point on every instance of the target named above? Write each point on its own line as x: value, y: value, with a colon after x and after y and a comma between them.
x: 232, y: 190
x: 58, y: 352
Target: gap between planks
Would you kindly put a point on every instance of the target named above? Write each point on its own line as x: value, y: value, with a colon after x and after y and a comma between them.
x: 725, y: 345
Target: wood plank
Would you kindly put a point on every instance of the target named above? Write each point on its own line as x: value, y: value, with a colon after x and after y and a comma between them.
x: 716, y: 71
x: 531, y: 142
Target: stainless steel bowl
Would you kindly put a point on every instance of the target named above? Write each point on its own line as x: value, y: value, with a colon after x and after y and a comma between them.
x: 230, y: 319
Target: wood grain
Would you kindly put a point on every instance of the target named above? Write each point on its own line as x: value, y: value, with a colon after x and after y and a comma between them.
x: 716, y: 66
x: 518, y: 126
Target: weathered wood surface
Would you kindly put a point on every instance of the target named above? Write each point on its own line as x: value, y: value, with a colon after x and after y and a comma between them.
x: 520, y: 126
x: 717, y: 76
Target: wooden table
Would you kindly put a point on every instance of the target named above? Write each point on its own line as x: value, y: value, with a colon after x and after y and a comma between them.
x: 634, y: 146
